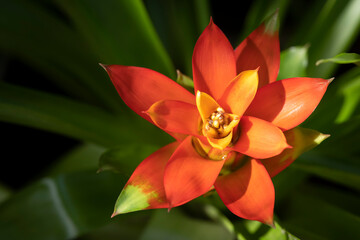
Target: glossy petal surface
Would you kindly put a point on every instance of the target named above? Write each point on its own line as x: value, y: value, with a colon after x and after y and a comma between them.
x: 145, y: 188
x: 140, y: 88
x: 248, y: 192
x: 260, y: 49
x: 205, y: 104
x: 175, y: 116
x: 213, y: 62
x: 220, y: 143
x: 188, y: 175
x: 259, y: 139
x: 240, y: 92
x: 288, y: 102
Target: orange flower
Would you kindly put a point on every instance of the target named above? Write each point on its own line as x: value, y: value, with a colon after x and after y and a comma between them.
x: 224, y: 133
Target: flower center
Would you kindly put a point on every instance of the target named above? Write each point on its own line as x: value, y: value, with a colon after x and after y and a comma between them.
x: 217, y: 123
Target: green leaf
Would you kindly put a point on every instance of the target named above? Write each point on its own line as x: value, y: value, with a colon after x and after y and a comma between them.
x: 215, y: 214
x: 329, y: 168
x: 350, y: 93
x: 117, y: 159
x: 177, y: 226
x: 343, y: 143
x: 293, y: 62
x: 339, y: 197
x: 5, y: 193
x: 338, y: 17
x: 63, y: 207
x: 119, y: 32
x: 60, y: 115
x: 253, y: 230
x: 260, y: 9
x: 30, y: 32
x: 83, y: 157
x: 179, y: 23
x: 312, y: 218
x: 128, y: 227
x: 342, y: 58
x: 287, y: 182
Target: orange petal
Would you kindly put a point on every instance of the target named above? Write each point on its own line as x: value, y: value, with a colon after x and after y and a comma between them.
x: 140, y: 87
x: 301, y: 140
x: 259, y: 139
x: 175, y: 116
x: 206, y: 105
x: 213, y: 62
x: 288, y: 102
x: 248, y: 192
x: 261, y: 49
x: 188, y: 175
x: 145, y: 188
x: 240, y: 92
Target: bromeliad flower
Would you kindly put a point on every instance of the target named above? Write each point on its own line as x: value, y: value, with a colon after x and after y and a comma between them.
x: 227, y: 132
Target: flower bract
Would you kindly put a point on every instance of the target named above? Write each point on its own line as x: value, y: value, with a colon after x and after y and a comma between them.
x: 235, y: 132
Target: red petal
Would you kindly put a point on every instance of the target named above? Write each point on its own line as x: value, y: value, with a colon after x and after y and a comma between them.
x: 213, y: 62
x: 240, y: 92
x: 260, y: 49
x: 175, y: 116
x: 259, y: 138
x: 248, y: 192
x: 288, y: 102
x: 188, y: 175
x: 140, y: 87
x: 145, y: 188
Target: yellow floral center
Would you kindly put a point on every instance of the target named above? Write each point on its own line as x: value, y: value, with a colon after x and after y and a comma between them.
x: 216, y: 125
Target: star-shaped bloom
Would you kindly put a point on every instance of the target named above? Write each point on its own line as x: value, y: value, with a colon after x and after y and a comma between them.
x: 234, y: 134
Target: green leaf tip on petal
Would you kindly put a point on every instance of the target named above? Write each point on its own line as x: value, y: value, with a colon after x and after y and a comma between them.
x: 131, y: 199
x: 321, y: 137
x: 306, y: 139
x: 272, y: 23
x: 302, y: 140
x: 342, y: 58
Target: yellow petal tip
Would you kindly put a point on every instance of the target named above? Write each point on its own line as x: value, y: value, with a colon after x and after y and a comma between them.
x: 321, y: 138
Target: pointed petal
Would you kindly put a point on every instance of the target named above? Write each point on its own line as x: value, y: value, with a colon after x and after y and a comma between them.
x: 213, y: 62
x: 240, y: 92
x: 259, y: 139
x: 288, y: 102
x: 206, y: 105
x: 145, y: 188
x: 248, y: 192
x: 176, y: 116
x: 302, y: 140
x: 188, y: 175
x: 139, y: 87
x: 261, y: 49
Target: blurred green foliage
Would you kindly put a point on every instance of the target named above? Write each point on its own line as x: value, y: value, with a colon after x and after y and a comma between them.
x: 316, y: 198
